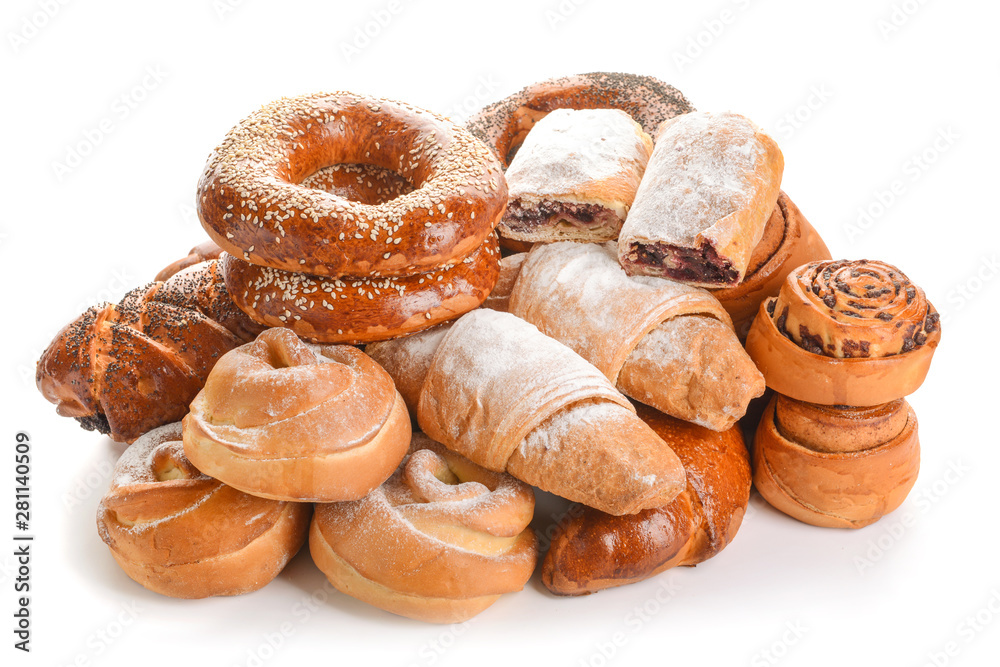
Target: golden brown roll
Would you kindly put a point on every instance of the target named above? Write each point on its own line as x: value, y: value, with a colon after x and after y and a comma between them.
x: 198, y: 254
x: 845, y: 333
x: 283, y: 419
x: 592, y: 550
x: 181, y: 533
x: 789, y: 241
x: 839, y: 467
x: 440, y: 541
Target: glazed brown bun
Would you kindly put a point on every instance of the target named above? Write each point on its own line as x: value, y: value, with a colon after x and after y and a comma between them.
x: 198, y: 254
x: 127, y: 368
x: 362, y: 310
x: 181, y: 533
x: 252, y: 201
x: 592, y: 551
x: 440, y: 541
x: 282, y: 419
x: 837, y: 467
x: 845, y: 333
x: 789, y: 241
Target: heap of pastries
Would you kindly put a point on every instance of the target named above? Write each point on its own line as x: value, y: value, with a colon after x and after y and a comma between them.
x: 599, y: 367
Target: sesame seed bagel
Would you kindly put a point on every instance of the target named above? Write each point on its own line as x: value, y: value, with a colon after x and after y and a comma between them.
x: 364, y: 309
x: 253, y: 202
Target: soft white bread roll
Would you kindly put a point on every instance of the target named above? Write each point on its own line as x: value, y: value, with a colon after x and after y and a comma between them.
x: 440, y: 541
x: 708, y: 191
x: 510, y: 398
x: 280, y: 418
x: 181, y: 533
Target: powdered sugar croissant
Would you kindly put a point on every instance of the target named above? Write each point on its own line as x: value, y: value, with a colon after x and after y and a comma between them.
x: 498, y: 391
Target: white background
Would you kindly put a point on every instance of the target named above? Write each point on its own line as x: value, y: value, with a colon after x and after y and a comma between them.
x: 900, y: 592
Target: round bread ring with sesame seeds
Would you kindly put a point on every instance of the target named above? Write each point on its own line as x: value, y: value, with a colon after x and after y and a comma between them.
x: 362, y: 310
x: 503, y: 125
x: 253, y: 203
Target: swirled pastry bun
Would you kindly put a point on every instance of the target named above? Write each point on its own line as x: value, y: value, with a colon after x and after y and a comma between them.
x: 181, y: 533
x: 440, y: 541
x: 845, y: 333
x: 283, y: 419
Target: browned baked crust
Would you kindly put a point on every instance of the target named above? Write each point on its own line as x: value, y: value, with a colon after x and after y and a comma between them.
x: 836, y: 467
x: 283, y: 419
x: 362, y: 310
x: 440, y: 541
x: 251, y: 200
x: 591, y: 550
x: 125, y: 369
x: 181, y: 533
x: 845, y: 333
x: 789, y: 241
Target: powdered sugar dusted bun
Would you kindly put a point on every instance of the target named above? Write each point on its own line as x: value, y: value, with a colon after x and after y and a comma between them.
x: 709, y: 188
x: 252, y: 201
x: 440, y: 541
x: 181, y: 533
x: 575, y: 176
x: 283, y: 419
x: 362, y: 310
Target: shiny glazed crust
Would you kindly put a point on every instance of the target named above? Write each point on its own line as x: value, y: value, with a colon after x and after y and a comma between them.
x: 180, y: 533
x: 252, y: 202
x: 440, y: 541
x: 592, y: 550
x: 836, y: 489
x: 362, y: 310
x: 127, y: 368
x: 282, y: 419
